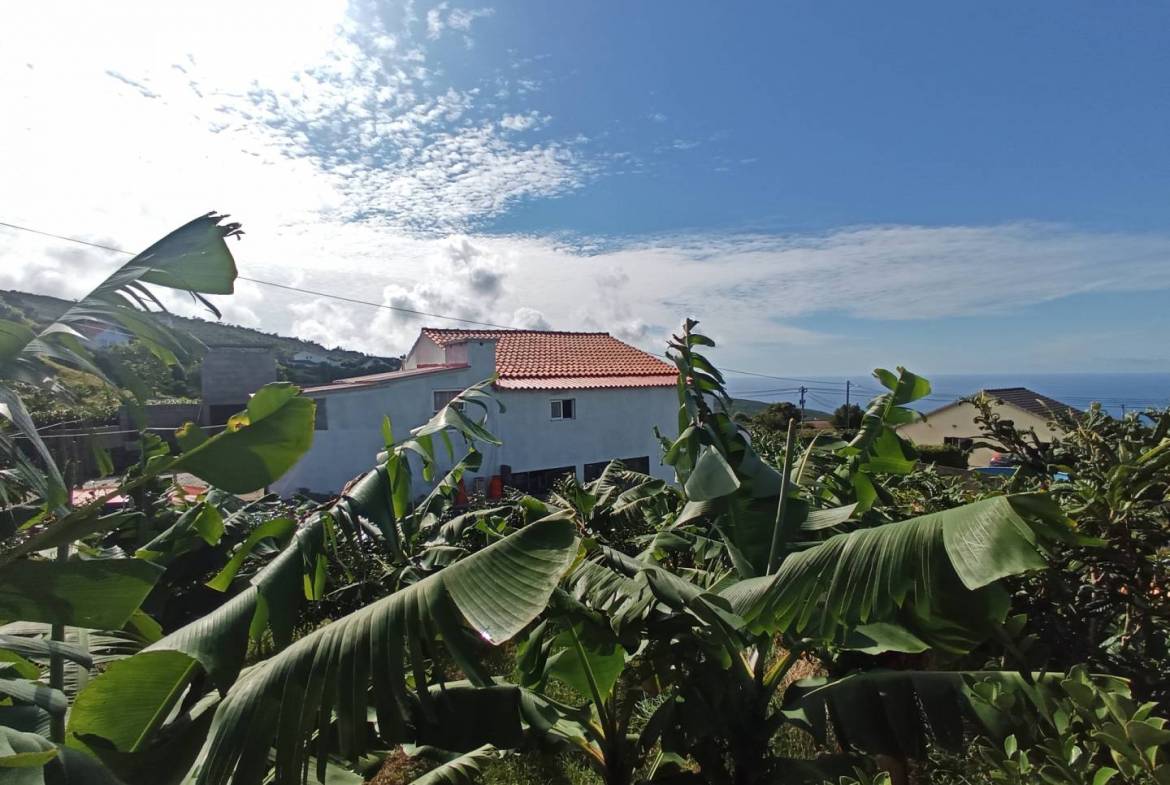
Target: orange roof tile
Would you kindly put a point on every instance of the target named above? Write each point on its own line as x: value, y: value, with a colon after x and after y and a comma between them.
x: 550, y: 360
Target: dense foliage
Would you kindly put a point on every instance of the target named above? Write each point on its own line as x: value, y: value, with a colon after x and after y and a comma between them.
x: 796, y: 611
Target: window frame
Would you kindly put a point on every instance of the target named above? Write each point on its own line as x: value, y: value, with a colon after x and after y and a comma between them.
x: 454, y: 394
x: 557, y: 409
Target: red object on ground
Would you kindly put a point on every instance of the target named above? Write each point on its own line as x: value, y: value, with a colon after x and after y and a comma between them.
x: 461, y: 494
x: 495, y: 487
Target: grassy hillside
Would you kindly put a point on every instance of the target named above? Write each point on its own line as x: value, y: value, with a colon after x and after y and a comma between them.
x: 41, y: 309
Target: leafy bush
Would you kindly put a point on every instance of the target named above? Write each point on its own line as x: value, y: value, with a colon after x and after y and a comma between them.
x: 847, y: 417
x: 1076, y: 730
x: 1108, y: 603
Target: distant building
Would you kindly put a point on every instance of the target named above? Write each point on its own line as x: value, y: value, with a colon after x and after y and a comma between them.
x: 954, y: 424
x: 573, y: 402
x: 230, y: 374
x: 309, y: 357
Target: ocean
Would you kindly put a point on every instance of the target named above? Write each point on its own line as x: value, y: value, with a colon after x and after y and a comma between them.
x: 1116, y: 392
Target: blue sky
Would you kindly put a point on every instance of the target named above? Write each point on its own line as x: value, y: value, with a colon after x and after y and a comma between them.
x: 815, y: 115
x: 955, y: 187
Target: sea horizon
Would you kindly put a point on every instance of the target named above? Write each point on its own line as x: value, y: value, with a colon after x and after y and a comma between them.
x: 1117, y: 393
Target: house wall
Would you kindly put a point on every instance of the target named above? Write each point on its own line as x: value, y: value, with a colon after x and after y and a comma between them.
x: 231, y: 374
x: 958, y: 420
x: 614, y: 423
x: 609, y: 424
x: 424, y: 352
x: 352, y: 438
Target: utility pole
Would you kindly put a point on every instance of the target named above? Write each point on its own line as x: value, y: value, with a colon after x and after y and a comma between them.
x: 847, y: 384
x: 803, y: 390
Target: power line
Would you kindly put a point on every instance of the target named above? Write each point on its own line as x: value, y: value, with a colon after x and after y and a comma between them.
x: 302, y: 290
x: 120, y: 432
x: 63, y: 237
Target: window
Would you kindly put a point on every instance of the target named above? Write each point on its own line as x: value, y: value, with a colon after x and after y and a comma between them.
x: 961, y: 442
x: 564, y: 409
x: 321, y: 421
x: 444, y: 397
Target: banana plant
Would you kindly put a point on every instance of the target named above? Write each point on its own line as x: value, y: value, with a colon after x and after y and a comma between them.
x: 197, y: 672
x: 194, y: 258
x: 725, y: 639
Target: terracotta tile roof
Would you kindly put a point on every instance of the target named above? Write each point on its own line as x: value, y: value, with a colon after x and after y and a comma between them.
x: 1029, y: 401
x: 549, y: 360
x: 585, y: 382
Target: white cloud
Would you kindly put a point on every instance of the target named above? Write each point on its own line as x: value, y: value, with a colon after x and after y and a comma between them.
x: 443, y: 17
x: 524, y: 122
x: 748, y: 289
x: 328, y: 115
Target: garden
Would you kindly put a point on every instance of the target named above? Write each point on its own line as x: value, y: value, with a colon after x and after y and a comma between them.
x: 792, y: 609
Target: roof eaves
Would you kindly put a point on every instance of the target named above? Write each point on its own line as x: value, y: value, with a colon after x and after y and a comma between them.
x: 379, y: 379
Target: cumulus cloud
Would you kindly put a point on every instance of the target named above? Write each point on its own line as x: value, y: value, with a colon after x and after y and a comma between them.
x: 526, y: 318
x: 524, y: 122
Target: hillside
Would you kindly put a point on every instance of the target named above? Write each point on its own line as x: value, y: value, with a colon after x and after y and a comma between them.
x: 299, y: 361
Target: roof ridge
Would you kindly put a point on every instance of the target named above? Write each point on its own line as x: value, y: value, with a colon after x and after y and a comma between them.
x: 512, y: 330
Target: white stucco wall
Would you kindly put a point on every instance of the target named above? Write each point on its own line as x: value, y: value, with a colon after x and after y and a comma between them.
x: 609, y: 423
x: 353, y: 437
x: 424, y: 352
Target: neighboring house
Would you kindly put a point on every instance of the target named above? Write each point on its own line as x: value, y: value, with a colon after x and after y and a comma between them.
x: 954, y: 424
x: 230, y: 375
x: 573, y: 402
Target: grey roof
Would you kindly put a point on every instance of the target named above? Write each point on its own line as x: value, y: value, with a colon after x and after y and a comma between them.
x: 1030, y: 401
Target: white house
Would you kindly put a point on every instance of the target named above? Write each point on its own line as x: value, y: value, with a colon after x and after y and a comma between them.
x: 573, y: 402
x: 955, y: 425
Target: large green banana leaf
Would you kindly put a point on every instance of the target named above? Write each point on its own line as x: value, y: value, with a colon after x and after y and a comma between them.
x: 123, y: 705
x: 97, y: 593
x: 259, y: 445
x: 895, y: 713
x: 459, y: 769
x: 31, y: 759
x: 495, y: 593
x: 937, y: 574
